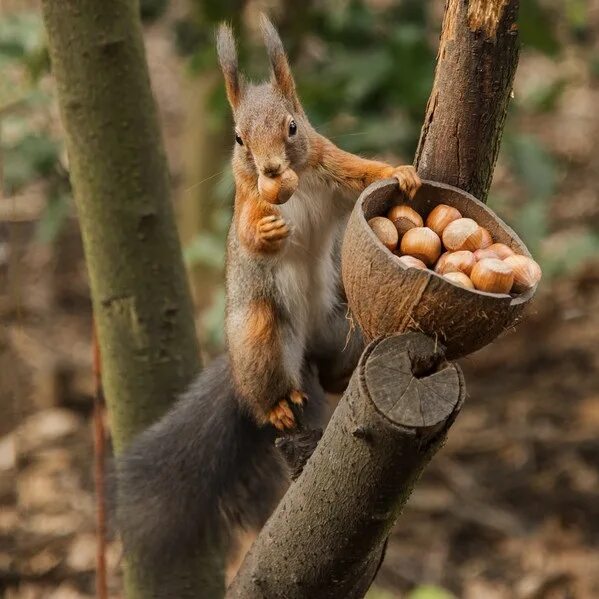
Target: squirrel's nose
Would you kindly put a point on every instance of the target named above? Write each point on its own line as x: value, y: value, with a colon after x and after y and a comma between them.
x: 272, y: 168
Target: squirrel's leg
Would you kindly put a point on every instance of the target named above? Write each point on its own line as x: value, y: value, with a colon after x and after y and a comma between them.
x: 266, y: 360
x: 266, y: 349
x: 355, y: 173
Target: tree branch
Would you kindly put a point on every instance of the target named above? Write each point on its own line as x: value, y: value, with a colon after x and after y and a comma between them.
x: 327, y: 535
x: 476, y: 63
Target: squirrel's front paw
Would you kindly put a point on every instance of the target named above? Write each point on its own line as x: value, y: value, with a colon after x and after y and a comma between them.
x: 272, y: 231
x: 409, y: 181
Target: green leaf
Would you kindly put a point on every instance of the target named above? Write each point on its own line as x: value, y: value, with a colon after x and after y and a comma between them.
x: 536, y: 28
x: 206, y: 249
x: 532, y: 224
x: 533, y: 165
x: 563, y: 258
x: 53, y: 218
x: 34, y: 155
x: 430, y: 592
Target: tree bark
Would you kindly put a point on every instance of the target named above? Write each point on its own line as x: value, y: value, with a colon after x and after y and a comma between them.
x: 476, y: 63
x: 120, y: 179
x: 326, y: 538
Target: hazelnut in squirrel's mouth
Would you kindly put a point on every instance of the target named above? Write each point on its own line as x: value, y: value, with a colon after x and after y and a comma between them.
x: 278, y: 189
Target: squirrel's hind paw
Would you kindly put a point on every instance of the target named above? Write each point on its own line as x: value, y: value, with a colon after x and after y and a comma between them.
x: 298, y: 398
x: 281, y: 416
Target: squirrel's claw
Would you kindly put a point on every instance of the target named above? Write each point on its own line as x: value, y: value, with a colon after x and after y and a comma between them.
x: 281, y: 416
x: 298, y: 398
x: 409, y: 181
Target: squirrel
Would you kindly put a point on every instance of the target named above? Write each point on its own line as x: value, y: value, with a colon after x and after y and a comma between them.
x: 210, y: 463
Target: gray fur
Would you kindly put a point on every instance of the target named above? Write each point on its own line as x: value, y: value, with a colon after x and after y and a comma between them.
x: 202, y: 470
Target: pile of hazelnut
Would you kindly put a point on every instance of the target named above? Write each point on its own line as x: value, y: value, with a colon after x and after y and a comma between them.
x: 457, y: 248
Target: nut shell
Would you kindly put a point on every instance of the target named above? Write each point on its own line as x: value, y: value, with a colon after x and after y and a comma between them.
x: 492, y: 275
x: 385, y: 298
x: 459, y: 278
x: 502, y: 250
x: 486, y: 253
x: 277, y: 190
x: 404, y: 218
x: 385, y: 230
x: 463, y: 234
x: 460, y: 261
x: 411, y: 262
x: 422, y: 243
x: 487, y: 240
x: 441, y: 216
x: 527, y: 273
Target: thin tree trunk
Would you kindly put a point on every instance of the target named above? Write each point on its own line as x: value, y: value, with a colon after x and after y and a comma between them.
x: 120, y: 179
x: 326, y: 538
x: 476, y: 63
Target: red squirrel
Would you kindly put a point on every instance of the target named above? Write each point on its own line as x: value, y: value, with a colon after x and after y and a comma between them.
x: 209, y: 464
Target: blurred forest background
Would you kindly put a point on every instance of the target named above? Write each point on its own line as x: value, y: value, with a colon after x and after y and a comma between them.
x: 510, y: 507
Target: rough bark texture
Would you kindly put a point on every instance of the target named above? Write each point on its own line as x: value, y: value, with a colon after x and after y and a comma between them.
x: 386, y: 297
x: 120, y: 178
x: 326, y: 538
x: 477, y: 59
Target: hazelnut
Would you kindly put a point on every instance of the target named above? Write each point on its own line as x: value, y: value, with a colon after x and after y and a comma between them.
x: 459, y: 278
x: 463, y: 234
x: 486, y: 253
x: 411, y: 262
x: 422, y: 243
x: 502, y: 250
x: 527, y: 273
x: 441, y: 261
x: 385, y: 230
x: 492, y: 275
x: 277, y: 190
x: 461, y: 261
x: 441, y: 216
x: 404, y: 218
x: 487, y: 240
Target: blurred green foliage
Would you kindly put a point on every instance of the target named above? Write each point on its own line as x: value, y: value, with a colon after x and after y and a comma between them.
x: 430, y: 591
x: 31, y: 148
x: 364, y: 70
x: 427, y: 591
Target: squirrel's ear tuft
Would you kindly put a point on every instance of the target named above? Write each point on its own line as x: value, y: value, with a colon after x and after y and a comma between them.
x: 278, y: 59
x: 227, y: 56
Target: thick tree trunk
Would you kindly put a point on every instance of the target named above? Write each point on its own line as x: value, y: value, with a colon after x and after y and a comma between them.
x: 120, y: 179
x: 326, y: 538
x: 478, y: 55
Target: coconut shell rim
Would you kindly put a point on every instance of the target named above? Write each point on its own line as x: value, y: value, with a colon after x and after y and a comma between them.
x: 520, y: 298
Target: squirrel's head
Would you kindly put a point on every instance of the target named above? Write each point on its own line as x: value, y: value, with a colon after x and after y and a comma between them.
x: 271, y: 129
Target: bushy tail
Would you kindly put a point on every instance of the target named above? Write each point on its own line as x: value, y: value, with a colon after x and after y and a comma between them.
x: 202, y: 469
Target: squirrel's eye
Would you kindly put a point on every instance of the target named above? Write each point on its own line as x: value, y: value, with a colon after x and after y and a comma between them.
x: 238, y: 139
x: 292, y: 128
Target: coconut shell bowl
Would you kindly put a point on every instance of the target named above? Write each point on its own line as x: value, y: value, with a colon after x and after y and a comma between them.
x: 386, y: 297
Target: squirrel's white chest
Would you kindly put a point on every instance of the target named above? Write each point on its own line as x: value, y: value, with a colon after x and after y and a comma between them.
x: 307, y: 275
